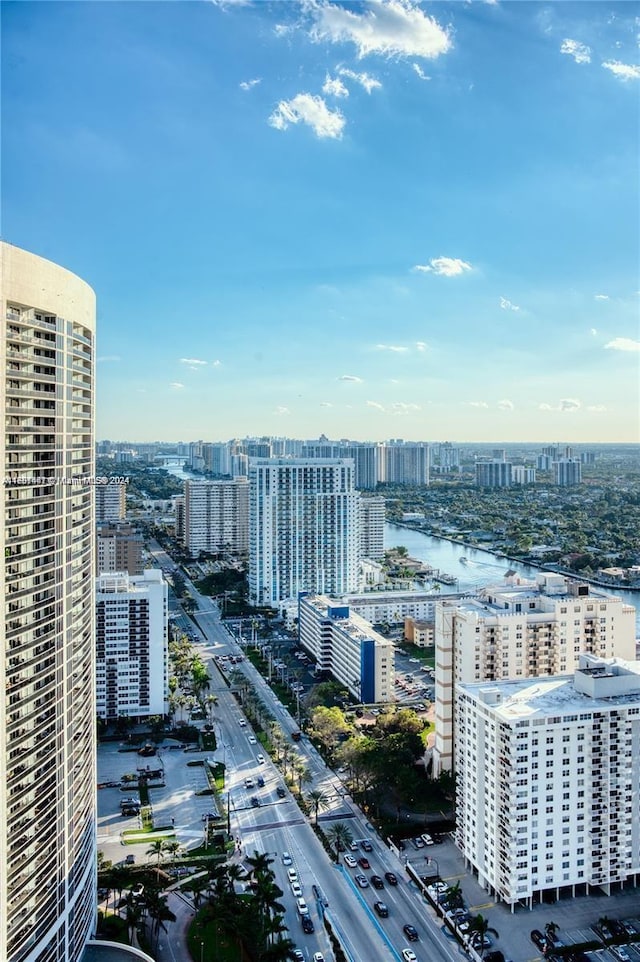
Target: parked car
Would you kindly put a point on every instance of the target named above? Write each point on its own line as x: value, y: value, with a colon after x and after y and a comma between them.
x: 281, y: 792
x: 418, y: 842
x: 260, y: 781
x: 411, y: 932
x: 297, y: 955
x: 255, y: 802
x: 382, y: 909
x: 621, y: 953
x: 377, y: 882
x: 426, y: 838
x: 538, y: 939
x: 248, y: 783
x: 362, y: 881
x: 391, y: 878
x: 130, y: 860
x: 302, y: 906
x: 318, y: 957
x: 260, y: 759
x: 479, y: 941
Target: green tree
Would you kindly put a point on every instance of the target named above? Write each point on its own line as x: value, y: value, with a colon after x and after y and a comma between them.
x: 339, y: 837
x: 479, y: 928
x: 317, y: 799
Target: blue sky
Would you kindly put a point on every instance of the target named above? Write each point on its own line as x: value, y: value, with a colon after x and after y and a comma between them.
x: 370, y: 220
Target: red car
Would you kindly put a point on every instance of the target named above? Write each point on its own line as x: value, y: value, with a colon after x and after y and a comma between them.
x: 363, y: 862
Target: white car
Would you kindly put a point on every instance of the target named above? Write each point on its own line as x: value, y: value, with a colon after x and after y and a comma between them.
x: 252, y: 739
x: 409, y: 955
x: 296, y: 889
x: 260, y: 759
x: 426, y: 838
x: 318, y: 957
x: 350, y: 861
x: 286, y: 859
x: 302, y: 907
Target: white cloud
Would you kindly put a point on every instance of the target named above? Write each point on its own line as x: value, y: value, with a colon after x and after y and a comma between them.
x: 248, y: 84
x: 108, y: 358
x: 478, y: 404
x: 312, y: 111
x: 566, y: 404
x: 625, y: 71
x: 594, y: 332
x: 506, y: 405
x: 601, y: 297
x: 282, y: 410
x: 192, y: 361
x: 374, y: 404
x: 579, y: 51
x: 401, y: 407
x: 422, y: 346
x: 176, y: 386
x: 326, y: 404
x: 445, y: 266
x: 507, y: 305
x: 420, y: 72
x: 364, y: 79
x: 623, y: 344
x: 397, y: 28
x: 596, y: 408
x: 350, y: 377
x: 216, y: 363
x: 334, y: 87
x: 225, y: 4
x: 395, y: 348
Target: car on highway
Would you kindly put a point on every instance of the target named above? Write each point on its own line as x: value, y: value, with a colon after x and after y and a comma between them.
x: 382, y: 909
x: 366, y: 845
x: 318, y: 957
x: 303, y: 908
x: 362, y: 881
x: 377, y: 882
x: 252, y: 739
x: 307, y: 924
x: 296, y: 889
x: 391, y: 878
x: 242, y: 723
x: 286, y: 859
x: 364, y: 862
x: 350, y: 861
x: 260, y: 759
x: 411, y: 932
x: 297, y: 955
x: 409, y: 955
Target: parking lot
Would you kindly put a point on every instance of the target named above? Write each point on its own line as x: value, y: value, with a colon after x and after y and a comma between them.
x: 174, y: 802
x: 574, y: 917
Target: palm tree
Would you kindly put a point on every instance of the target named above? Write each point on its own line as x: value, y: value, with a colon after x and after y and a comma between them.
x: 172, y: 848
x: 156, y: 848
x: 339, y: 836
x: 551, y: 929
x: 318, y: 800
x: 160, y: 913
x: 453, y: 896
x: 479, y: 927
x: 133, y: 914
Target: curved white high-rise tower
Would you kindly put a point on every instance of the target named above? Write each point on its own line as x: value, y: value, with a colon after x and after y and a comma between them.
x: 47, y: 711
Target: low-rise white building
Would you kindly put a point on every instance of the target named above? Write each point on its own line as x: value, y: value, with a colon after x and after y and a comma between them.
x: 345, y: 645
x: 548, y: 782
x: 521, y: 629
x: 131, y: 644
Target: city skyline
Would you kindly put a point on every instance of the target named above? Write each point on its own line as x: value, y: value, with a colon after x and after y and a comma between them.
x: 370, y: 220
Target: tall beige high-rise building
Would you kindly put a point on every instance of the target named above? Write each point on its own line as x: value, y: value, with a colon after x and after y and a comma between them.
x: 47, y: 714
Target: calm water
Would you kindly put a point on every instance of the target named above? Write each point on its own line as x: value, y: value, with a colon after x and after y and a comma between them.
x: 481, y: 568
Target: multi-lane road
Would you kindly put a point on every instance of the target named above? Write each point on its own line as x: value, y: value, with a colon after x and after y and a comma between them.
x: 277, y: 826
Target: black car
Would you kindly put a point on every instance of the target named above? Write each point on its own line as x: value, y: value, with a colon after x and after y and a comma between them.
x: 411, y: 932
x: 377, y: 882
x: 255, y: 802
x: 538, y: 939
x: 391, y: 878
x: 281, y: 792
x: 307, y: 924
x: 381, y: 909
x: 366, y: 845
x: 260, y: 781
